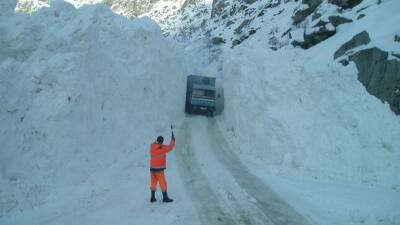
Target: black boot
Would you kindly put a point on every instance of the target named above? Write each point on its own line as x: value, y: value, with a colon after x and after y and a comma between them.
x: 153, y: 196
x: 165, y: 197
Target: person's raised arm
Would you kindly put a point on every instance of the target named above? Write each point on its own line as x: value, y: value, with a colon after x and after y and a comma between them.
x: 171, y: 143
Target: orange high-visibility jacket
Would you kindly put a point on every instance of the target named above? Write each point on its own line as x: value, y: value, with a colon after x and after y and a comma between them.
x: 158, y: 152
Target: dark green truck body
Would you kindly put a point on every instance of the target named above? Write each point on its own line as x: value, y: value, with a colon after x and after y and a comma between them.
x: 200, y: 95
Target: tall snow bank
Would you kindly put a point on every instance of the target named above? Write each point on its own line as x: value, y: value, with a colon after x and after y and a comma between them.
x: 296, y: 115
x: 302, y: 114
x: 80, y: 90
x: 7, y: 7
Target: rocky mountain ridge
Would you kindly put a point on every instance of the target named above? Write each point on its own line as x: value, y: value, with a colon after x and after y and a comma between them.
x: 306, y: 24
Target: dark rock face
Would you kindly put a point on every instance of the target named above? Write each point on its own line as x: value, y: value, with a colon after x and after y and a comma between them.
x: 229, y: 23
x: 346, y: 4
x: 300, y: 15
x: 316, y: 15
x: 314, y: 38
x: 249, y: 1
x: 218, y: 7
x: 338, y: 20
x: 243, y: 37
x: 344, y: 62
x: 217, y: 40
x: 360, y: 16
x: 359, y: 39
x: 296, y: 43
x: 320, y: 23
x: 312, y: 3
x: 245, y: 23
x: 235, y: 42
x: 273, y: 41
x: 287, y: 32
x: 362, y: 9
x: 380, y: 76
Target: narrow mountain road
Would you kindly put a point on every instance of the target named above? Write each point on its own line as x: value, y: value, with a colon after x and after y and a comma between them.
x: 221, y: 187
x: 210, y: 212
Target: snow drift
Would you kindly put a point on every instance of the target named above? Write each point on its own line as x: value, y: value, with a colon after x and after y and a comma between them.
x: 80, y: 89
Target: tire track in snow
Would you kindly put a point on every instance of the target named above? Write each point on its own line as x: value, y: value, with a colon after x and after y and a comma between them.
x: 233, y: 199
x: 276, y: 209
x: 203, y: 197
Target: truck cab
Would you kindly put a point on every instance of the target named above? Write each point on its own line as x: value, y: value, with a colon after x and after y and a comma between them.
x: 200, y: 95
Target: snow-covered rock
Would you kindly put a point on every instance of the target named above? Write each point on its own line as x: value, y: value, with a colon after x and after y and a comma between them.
x: 359, y: 39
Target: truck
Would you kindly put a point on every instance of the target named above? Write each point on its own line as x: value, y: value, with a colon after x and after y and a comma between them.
x: 200, y: 95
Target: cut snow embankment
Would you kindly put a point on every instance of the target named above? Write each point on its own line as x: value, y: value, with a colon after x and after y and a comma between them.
x: 83, y: 93
x: 299, y: 115
x: 304, y: 113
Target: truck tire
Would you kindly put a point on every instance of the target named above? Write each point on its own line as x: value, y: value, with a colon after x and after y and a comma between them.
x: 186, y: 107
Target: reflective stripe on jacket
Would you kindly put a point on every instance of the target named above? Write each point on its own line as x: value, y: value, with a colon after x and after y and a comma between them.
x: 158, y: 153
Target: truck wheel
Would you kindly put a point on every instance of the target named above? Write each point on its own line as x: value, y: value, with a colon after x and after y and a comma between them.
x: 189, y: 109
x: 186, y: 107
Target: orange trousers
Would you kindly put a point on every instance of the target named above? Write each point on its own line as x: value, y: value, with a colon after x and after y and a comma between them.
x: 158, y: 177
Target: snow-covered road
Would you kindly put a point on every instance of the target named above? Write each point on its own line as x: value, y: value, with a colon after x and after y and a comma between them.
x: 204, y: 199
x: 222, y: 188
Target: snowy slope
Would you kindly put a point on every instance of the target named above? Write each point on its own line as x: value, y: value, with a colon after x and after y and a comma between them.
x: 301, y: 116
x: 306, y: 119
x: 318, y: 118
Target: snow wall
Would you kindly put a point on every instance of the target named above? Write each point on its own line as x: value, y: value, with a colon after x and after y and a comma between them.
x: 80, y: 90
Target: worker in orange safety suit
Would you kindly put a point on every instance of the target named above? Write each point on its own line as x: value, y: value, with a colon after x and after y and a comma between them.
x: 158, y: 160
